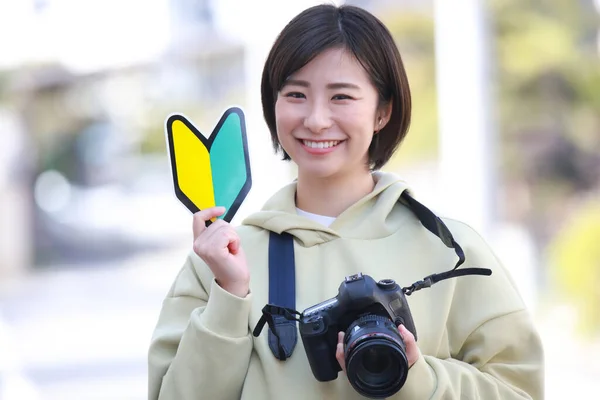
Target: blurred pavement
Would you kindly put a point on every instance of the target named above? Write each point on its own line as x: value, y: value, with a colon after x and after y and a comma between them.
x: 82, y: 332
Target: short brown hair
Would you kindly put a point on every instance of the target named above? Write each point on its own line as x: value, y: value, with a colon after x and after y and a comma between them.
x: 325, y: 26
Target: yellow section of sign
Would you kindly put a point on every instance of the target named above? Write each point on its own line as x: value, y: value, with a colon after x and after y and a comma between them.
x: 194, y: 175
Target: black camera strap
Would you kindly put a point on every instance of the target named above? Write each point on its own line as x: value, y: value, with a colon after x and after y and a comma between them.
x: 435, y: 225
x: 280, y: 314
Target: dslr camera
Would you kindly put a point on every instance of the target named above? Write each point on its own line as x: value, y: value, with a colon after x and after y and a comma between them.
x: 369, y: 313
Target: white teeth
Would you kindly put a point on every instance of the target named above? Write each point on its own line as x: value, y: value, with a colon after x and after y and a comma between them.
x: 320, y: 145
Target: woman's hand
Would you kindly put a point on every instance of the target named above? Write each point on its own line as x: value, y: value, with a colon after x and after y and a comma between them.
x: 219, y: 246
x: 412, y: 350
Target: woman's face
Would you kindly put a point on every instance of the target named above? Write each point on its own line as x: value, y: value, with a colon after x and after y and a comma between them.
x: 326, y: 114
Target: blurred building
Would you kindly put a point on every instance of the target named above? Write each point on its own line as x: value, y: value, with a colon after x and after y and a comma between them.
x: 93, y: 104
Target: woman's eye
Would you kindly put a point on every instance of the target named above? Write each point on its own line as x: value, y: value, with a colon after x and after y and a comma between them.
x: 341, y: 97
x: 295, y: 95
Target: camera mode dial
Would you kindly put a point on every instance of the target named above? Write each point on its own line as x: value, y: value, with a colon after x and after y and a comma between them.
x: 387, y: 284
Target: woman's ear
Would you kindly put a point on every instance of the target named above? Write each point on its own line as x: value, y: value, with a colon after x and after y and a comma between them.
x: 383, y: 115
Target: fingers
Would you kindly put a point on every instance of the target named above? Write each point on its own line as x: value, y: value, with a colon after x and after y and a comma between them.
x: 339, y: 351
x: 200, y: 218
x: 219, y: 238
x: 224, y: 238
x: 412, y: 350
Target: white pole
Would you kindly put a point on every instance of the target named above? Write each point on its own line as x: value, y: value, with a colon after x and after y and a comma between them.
x: 468, y: 137
x: 466, y: 157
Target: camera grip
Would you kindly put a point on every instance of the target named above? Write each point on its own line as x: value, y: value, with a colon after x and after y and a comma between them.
x: 408, y: 323
x: 321, y: 357
x: 401, y: 314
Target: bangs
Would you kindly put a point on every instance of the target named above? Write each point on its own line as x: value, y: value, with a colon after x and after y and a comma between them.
x: 308, y: 43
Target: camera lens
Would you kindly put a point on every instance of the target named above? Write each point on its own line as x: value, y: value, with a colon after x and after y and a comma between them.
x: 376, y: 362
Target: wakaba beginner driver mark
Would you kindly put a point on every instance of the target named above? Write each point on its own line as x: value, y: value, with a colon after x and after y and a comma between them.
x: 213, y: 171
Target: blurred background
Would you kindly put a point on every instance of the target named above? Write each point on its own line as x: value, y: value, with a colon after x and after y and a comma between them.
x: 505, y: 135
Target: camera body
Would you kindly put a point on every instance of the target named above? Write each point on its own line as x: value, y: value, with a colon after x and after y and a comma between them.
x: 359, y: 298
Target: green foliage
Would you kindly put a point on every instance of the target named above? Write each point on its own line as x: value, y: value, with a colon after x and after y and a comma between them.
x: 575, y: 257
x: 548, y: 67
x: 414, y: 35
x: 549, y: 97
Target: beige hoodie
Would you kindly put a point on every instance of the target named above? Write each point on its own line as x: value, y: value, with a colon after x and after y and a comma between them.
x: 476, y: 338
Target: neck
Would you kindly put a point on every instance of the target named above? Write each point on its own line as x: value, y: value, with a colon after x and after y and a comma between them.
x: 332, y: 196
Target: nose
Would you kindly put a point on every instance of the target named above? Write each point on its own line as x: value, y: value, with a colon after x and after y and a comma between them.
x: 318, y: 119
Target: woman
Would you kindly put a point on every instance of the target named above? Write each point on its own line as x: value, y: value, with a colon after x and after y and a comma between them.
x: 337, y: 102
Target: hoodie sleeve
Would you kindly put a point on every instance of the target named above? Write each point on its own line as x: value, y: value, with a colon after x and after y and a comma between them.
x: 496, y: 351
x: 201, y: 346
x: 495, y: 363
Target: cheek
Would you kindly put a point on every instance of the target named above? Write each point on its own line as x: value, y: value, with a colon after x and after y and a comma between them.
x: 280, y: 122
x: 285, y: 120
x: 358, y: 125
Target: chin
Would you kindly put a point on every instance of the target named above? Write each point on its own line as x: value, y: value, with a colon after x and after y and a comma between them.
x: 318, y: 173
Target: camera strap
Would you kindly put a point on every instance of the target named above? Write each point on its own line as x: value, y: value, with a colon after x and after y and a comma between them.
x: 280, y: 314
x: 435, y: 225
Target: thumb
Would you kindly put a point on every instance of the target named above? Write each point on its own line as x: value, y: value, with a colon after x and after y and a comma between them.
x: 202, y: 216
x: 407, y: 335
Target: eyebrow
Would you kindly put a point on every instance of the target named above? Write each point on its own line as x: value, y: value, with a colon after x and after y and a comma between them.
x: 334, y: 85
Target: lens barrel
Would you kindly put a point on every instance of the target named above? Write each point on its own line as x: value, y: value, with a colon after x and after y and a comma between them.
x: 376, y: 362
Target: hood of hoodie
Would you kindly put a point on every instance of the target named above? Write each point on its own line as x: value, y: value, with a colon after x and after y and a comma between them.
x: 369, y: 218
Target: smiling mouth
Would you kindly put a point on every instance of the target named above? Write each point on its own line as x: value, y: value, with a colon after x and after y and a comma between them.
x: 321, y: 145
